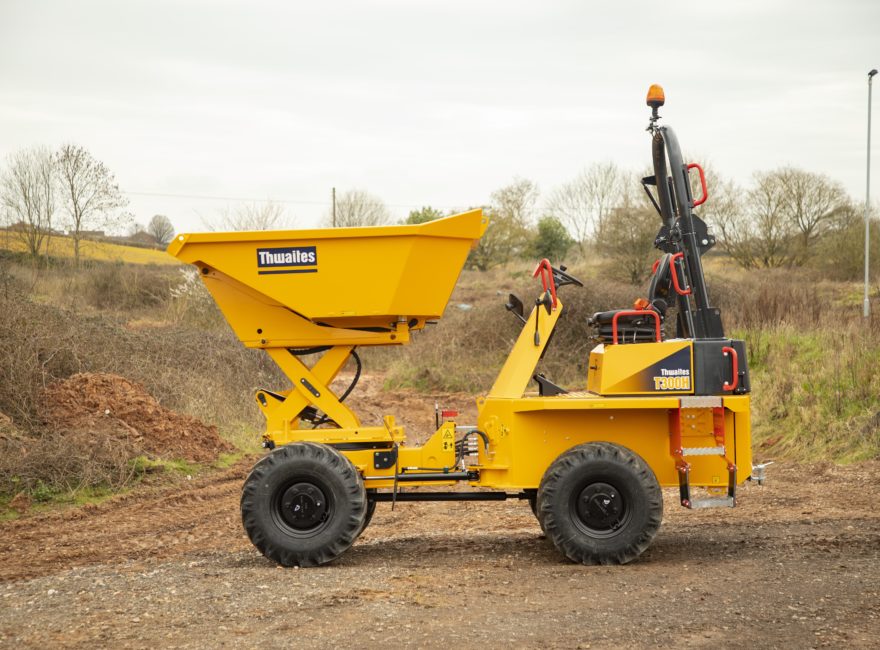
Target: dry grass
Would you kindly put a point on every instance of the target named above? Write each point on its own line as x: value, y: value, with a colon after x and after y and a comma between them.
x: 812, y: 360
x: 69, y: 461
x: 61, y: 247
x: 122, y: 320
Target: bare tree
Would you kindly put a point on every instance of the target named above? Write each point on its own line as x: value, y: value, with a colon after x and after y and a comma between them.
x: 28, y: 192
x: 88, y: 192
x: 768, y: 232
x: 510, y: 217
x: 516, y: 201
x: 358, y: 208
x: 813, y: 203
x: 787, y: 211
x: 585, y: 203
x: 626, y: 238
x: 161, y: 229
x: 725, y: 214
x: 267, y: 215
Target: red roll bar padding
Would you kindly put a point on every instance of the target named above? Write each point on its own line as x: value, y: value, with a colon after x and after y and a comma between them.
x: 634, y: 312
x: 734, y: 363
x: 546, y: 271
x: 675, y: 284
x: 702, y: 183
x: 654, y: 268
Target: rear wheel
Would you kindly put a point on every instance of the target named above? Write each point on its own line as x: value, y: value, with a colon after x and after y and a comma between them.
x: 600, y: 503
x: 303, y: 505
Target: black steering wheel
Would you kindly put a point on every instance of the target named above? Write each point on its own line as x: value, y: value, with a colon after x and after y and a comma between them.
x: 561, y: 278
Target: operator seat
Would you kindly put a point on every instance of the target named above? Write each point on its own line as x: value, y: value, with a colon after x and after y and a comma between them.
x: 638, y: 328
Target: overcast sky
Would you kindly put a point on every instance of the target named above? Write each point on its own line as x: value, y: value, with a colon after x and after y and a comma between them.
x: 428, y: 103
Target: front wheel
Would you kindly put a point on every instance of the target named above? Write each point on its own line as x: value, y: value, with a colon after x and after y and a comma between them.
x: 600, y: 503
x: 303, y: 505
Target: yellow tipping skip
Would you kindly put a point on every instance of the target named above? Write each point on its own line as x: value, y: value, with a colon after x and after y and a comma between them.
x: 342, y: 286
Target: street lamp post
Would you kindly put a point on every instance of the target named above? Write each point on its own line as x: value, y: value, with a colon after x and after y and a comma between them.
x: 866, y: 308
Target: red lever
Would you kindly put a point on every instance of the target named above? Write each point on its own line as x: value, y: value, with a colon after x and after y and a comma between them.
x: 675, y: 284
x: 702, y: 183
x: 734, y: 366
x: 546, y: 270
x: 634, y: 312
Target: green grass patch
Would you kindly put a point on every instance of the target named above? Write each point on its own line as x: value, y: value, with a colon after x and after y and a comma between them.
x: 815, y: 393
x: 44, y: 499
x: 245, y: 439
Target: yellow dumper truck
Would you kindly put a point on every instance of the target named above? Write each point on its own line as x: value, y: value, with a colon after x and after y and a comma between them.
x: 654, y: 411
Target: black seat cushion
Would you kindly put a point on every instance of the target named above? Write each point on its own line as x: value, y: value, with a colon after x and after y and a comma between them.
x: 635, y: 328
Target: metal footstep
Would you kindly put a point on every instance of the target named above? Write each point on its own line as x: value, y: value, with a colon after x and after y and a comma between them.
x: 684, y: 489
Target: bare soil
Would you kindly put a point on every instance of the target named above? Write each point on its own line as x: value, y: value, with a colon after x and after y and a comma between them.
x: 107, y: 403
x: 796, y: 564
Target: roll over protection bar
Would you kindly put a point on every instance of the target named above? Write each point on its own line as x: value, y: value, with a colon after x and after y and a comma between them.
x: 675, y: 205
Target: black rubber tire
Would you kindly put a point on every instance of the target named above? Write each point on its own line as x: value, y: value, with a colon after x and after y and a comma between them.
x: 371, y: 509
x: 573, y: 498
x: 267, y: 522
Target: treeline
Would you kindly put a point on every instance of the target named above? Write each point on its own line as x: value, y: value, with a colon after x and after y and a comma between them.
x: 66, y: 191
x: 787, y: 217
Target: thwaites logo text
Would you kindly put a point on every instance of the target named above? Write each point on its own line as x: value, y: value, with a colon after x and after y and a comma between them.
x: 292, y: 259
x: 673, y: 379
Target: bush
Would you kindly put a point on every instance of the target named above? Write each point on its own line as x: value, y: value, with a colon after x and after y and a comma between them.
x: 207, y: 374
x: 126, y: 286
x: 64, y: 462
x: 552, y: 240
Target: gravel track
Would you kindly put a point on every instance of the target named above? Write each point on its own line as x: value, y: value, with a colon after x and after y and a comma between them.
x: 795, y: 565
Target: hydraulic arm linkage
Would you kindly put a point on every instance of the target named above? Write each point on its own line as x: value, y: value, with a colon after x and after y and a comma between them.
x: 683, y: 234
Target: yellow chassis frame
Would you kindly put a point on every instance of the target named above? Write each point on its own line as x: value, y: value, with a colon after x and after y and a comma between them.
x: 526, y: 432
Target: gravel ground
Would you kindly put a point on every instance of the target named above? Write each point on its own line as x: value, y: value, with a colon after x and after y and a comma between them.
x: 795, y: 565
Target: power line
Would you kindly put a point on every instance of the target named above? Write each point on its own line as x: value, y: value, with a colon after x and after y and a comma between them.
x: 205, y: 197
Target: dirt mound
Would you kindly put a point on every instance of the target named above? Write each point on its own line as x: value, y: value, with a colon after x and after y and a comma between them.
x: 106, y: 403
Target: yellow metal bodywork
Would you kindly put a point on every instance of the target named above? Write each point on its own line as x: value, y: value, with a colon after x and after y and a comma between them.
x: 527, y: 434
x: 634, y: 369
x: 372, y: 286
x: 338, y: 286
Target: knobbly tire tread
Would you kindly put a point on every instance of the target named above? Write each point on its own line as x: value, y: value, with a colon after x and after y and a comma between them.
x: 632, y: 475
x: 304, y: 459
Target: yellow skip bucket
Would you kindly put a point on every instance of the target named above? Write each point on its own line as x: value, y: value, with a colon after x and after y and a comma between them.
x: 280, y: 288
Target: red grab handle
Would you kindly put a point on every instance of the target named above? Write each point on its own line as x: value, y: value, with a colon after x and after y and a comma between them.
x: 635, y: 312
x: 734, y: 364
x: 674, y: 269
x: 702, y: 183
x: 546, y: 270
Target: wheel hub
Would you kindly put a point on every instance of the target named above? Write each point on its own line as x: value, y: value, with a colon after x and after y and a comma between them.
x: 600, y: 507
x: 303, y: 506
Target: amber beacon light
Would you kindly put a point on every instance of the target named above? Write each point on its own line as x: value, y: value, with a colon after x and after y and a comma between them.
x: 656, y: 96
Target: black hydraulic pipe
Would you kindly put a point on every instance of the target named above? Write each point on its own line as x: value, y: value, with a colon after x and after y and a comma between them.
x: 667, y: 213
x: 446, y: 496
x: 658, y: 152
x: 434, y: 476
x: 689, y: 237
